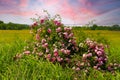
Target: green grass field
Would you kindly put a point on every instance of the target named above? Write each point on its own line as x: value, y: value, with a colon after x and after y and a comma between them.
x: 13, y: 41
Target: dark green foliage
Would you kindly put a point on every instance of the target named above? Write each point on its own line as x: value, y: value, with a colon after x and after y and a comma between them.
x: 99, y: 27
x: 12, y: 26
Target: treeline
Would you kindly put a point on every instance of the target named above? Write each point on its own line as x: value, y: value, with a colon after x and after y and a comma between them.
x: 96, y: 27
x: 113, y: 27
x: 12, y: 26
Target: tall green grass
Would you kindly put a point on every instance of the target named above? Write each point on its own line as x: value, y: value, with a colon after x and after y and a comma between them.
x: 28, y: 68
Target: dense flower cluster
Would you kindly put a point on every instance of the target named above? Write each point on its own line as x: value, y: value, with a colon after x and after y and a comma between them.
x: 53, y: 41
x: 97, y: 53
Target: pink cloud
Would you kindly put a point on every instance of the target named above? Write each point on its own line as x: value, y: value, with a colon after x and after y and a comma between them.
x: 75, y: 13
x: 66, y: 10
x: 85, y: 2
x: 50, y: 2
x: 20, y: 13
x: 23, y: 3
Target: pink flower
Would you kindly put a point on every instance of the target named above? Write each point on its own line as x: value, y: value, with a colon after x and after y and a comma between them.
x: 99, y: 53
x: 95, y: 67
x: 43, y: 41
x: 39, y: 30
x: 27, y: 52
x: 109, y: 68
x: 105, y: 59
x: 67, y: 60
x: 49, y: 30
x: 96, y: 50
x: 55, y: 52
x: 59, y: 59
x: 37, y: 37
x: 65, y: 35
x: 89, y: 55
x: 70, y: 41
x: 73, y: 42
x: 67, y: 52
x: 58, y: 29
x: 35, y: 24
x: 91, y: 45
x: 84, y: 56
x: 48, y: 56
x: 45, y: 45
x: 63, y: 44
x: 77, y: 69
x: 101, y: 63
x: 67, y: 29
x: 47, y: 50
x: 62, y: 50
x: 70, y: 35
x: 53, y: 59
x: 57, y: 23
x: 40, y: 54
x: 42, y: 21
x: 100, y: 58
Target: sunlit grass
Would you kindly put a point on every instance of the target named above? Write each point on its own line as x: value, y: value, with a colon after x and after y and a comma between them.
x: 13, y: 41
x: 8, y: 36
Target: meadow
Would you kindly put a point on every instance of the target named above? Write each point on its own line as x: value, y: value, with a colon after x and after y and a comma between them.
x: 13, y: 42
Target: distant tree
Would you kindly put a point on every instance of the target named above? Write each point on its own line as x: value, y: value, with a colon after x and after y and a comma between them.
x: 94, y: 27
x: 1, y: 22
x: 115, y: 27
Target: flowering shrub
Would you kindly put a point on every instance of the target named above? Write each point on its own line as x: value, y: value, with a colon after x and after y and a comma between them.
x: 56, y: 43
x: 53, y: 41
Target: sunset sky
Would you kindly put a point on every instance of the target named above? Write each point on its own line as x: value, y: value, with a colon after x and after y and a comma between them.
x: 102, y: 12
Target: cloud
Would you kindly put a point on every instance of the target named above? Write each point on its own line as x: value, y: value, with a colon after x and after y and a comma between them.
x: 23, y: 3
x: 72, y: 11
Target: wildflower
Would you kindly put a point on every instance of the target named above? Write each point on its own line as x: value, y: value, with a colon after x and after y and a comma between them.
x: 39, y: 30
x: 35, y: 24
x: 37, y: 37
x: 99, y: 53
x: 55, y: 52
x: 42, y: 21
x: 59, y: 59
x: 77, y: 69
x: 67, y: 29
x: 81, y: 45
x: 109, y: 68
x: 71, y: 35
x: 78, y: 63
x: 27, y: 52
x: 40, y: 54
x: 45, y: 45
x: 65, y: 34
x: 57, y: 23
x: 84, y: 56
x: 95, y: 67
x: 62, y: 50
x: 53, y: 59
x: 58, y: 29
x: 73, y: 68
x: 49, y: 30
x: 89, y: 55
x: 67, y: 52
x: 47, y: 50
x: 92, y: 45
x: 43, y: 41
x: 18, y: 56
x: 67, y: 60
x: 82, y: 64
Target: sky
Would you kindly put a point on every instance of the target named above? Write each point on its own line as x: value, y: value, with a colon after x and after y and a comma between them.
x: 78, y: 12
